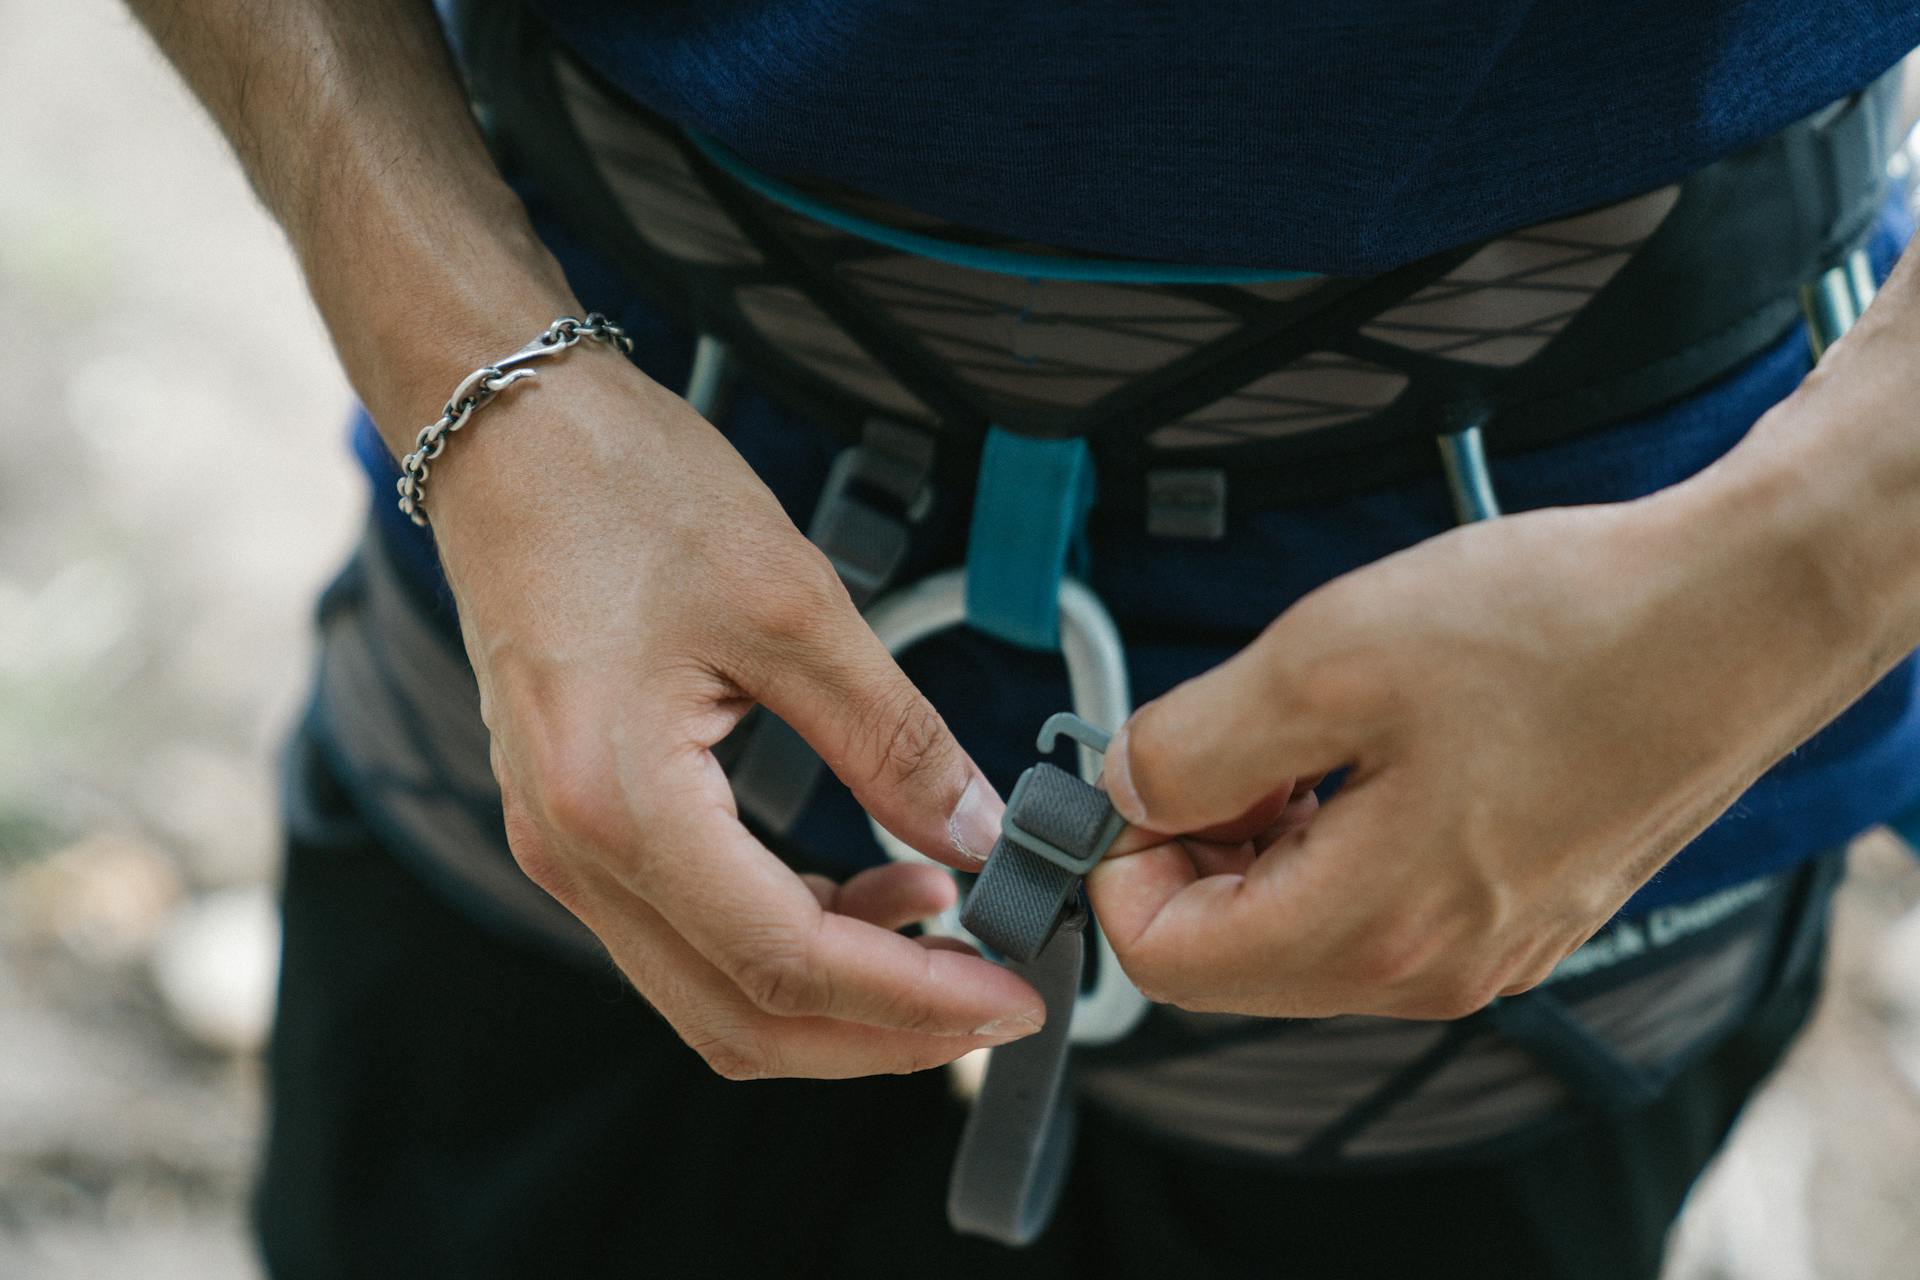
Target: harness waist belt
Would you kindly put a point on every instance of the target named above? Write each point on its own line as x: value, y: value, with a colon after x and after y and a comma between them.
x: 1216, y: 391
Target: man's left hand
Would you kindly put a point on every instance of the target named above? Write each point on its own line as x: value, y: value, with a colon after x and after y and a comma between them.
x: 1534, y: 714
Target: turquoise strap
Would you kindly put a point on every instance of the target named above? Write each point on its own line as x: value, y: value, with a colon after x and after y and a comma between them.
x: 1029, y: 513
x: 1006, y: 262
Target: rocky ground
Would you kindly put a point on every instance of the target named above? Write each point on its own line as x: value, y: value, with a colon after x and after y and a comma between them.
x: 173, y: 490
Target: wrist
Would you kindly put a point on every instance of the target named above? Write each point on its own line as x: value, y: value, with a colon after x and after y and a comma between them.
x: 1816, y: 532
x: 566, y: 457
x: 433, y: 305
x: 1840, y: 459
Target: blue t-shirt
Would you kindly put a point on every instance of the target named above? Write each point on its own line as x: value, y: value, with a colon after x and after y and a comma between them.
x: 1345, y: 138
x: 1382, y: 153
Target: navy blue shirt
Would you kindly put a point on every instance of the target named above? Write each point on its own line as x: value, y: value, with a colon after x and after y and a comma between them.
x: 1335, y: 138
x: 1344, y: 137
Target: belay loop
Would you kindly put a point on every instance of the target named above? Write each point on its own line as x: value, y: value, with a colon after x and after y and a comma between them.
x: 1029, y: 517
x: 1097, y: 679
x: 1015, y: 1151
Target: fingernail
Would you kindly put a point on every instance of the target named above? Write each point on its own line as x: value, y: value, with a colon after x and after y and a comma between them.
x: 975, y: 823
x: 1118, y: 775
x: 1012, y: 1028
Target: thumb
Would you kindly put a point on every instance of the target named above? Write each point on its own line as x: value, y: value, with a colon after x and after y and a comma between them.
x: 1214, y: 748
x: 844, y: 693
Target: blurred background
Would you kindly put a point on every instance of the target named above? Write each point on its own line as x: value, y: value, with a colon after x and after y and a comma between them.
x: 174, y: 489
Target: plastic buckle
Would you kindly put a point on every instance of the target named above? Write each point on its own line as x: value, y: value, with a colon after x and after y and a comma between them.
x: 1072, y: 726
x: 865, y: 542
x: 1097, y: 676
x: 1187, y: 502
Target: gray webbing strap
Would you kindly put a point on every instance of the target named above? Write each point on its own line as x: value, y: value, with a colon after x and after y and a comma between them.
x: 1018, y: 1143
x: 1025, y: 905
x: 876, y: 491
x: 774, y: 774
x: 1056, y: 828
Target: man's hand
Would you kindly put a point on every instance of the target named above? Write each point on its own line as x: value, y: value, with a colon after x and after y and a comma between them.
x: 627, y: 586
x: 628, y: 589
x: 1536, y: 713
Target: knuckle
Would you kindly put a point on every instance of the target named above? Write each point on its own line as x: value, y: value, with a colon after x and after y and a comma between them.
x: 1154, y: 993
x: 913, y: 742
x: 1524, y: 967
x: 774, y: 971
x: 1393, y: 956
x: 1526, y: 980
x: 734, y: 1057
x: 535, y: 855
x: 808, y: 594
x: 1152, y: 976
x: 1537, y: 968
x: 580, y: 799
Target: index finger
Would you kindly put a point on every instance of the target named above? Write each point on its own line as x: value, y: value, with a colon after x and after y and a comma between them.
x: 753, y: 918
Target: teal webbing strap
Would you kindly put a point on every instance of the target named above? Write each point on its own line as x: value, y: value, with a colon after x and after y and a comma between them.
x: 1006, y: 262
x: 1029, y: 514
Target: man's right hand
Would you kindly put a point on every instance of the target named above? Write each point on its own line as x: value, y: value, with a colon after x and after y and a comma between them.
x: 628, y: 589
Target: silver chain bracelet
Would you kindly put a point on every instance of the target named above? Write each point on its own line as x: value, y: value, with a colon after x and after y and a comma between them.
x: 481, y: 386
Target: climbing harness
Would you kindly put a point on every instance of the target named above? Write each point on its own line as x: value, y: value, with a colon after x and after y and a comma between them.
x: 956, y: 366
x: 1202, y: 393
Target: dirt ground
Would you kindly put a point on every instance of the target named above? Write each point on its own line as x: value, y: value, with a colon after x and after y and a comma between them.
x: 174, y: 488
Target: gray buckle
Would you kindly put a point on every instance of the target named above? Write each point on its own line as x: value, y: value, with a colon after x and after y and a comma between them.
x: 865, y: 544
x: 1187, y: 502
x: 1072, y: 726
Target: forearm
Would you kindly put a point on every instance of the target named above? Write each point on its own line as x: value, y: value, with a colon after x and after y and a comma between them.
x: 351, y: 124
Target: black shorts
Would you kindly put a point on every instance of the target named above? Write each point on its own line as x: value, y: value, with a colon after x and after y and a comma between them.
x: 450, y: 1102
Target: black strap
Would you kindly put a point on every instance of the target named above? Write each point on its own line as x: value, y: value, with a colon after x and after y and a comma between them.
x: 1540, y: 1023
x: 1328, y: 1144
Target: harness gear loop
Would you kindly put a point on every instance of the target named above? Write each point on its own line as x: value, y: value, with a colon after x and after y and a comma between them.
x: 1463, y: 454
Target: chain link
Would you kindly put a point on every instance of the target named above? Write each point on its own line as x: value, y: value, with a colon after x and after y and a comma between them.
x: 479, y: 388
